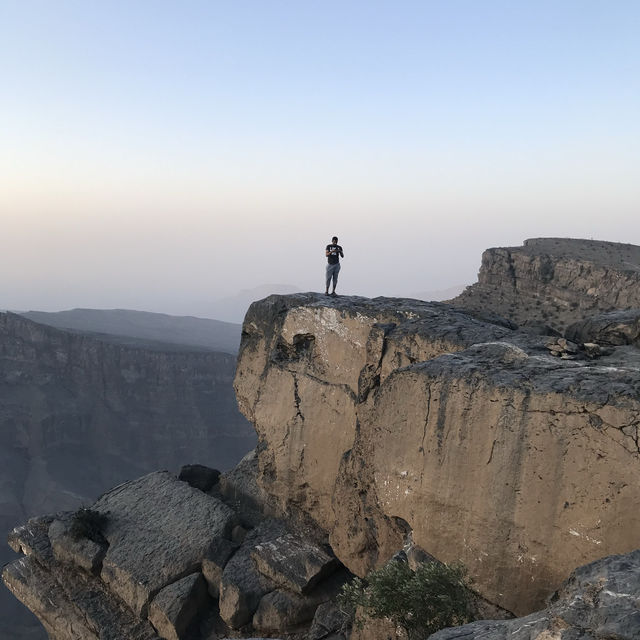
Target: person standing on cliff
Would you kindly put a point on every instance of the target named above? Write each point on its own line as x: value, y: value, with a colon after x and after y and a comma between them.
x: 333, y: 253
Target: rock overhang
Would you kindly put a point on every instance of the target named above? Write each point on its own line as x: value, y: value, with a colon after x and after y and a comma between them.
x: 431, y: 370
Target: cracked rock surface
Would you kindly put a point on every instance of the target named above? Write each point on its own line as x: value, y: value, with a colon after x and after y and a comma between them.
x: 598, y: 602
x: 166, y: 568
x: 378, y: 416
x: 556, y: 281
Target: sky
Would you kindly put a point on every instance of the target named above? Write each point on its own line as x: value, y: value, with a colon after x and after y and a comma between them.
x: 160, y: 155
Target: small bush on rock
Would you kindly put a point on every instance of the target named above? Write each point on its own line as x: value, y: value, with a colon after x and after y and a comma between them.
x: 87, y: 523
x: 432, y: 597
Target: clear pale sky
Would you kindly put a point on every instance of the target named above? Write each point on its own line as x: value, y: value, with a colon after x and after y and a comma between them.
x: 156, y: 155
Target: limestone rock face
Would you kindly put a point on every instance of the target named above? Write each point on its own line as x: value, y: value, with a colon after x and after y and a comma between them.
x: 304, y: 367
x: 556, y: 281
x: 379, y: 417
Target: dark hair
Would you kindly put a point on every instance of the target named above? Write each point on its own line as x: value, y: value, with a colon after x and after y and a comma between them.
x: 334, y: 239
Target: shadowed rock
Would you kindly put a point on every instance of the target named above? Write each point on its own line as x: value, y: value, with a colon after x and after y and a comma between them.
x: 612, y: 329
x: 329, y: 623
x: 215, y: 561
x: 173, y: 609
x: 242, y: 586
x: 293, y: 563
x: 284, y: 610
x: 82, y: 552
x: 199, y: 476
x: 598, y: 602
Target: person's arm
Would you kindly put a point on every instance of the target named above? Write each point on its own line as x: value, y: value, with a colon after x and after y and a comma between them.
x: 327, y: 252
x: 341, y: 254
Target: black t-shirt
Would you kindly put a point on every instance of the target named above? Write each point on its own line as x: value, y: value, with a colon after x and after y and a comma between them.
x: 334, y: 255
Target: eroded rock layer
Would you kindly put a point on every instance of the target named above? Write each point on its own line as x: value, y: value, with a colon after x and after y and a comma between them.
x: 556, y: 281
x: 79, y: 415
x: 380, y: 417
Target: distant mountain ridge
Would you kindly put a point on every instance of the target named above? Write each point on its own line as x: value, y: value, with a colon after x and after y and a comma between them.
x: 439, y: 295
x: 233, y: 308
x: 144, y: 328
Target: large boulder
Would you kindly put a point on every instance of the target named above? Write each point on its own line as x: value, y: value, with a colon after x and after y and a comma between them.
x: 294, y: 563
x: 174, y: 608
x: 71, y: 603
x: 598, y: 602
x: 613, y: 329
x: 242, y: 586
x: 282, y: 610
x: 159, y: 530
x: 383, y: 417
x: 286, y: 610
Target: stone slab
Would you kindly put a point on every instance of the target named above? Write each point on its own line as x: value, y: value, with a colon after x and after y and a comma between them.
x: 173, y: 609
x: 293, y: 563
x: 599, y: 601
x: 242, y: 586
x: 159, y: 530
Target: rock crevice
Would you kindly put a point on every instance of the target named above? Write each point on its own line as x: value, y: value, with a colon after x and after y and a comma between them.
x: 470, y: 432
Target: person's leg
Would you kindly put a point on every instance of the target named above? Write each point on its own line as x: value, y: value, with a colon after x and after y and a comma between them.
x: 336, y: 270
x: 328, y: 275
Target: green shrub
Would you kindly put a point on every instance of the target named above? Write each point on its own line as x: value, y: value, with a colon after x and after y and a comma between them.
x: 432, y: 597
x: 87, y: 523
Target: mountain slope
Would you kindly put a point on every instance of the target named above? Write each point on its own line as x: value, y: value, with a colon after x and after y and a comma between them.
x: 149, y: 329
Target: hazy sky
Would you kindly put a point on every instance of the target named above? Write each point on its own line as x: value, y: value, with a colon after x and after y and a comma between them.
x: 156, y: 155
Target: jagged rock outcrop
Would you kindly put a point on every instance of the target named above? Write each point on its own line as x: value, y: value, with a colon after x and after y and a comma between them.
x: 556, y: 281
x: 79, y: 415
x: 379, y: 417
x: 599, y: 601
x: 160, y: 564
x: 612, y: 329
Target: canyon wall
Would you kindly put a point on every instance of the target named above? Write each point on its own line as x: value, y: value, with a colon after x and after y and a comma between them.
x: 79, y: 415
x: 379, y: 418
x: 555, y: 281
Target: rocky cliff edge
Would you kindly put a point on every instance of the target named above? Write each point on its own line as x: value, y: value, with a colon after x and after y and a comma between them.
x: 385, y: 418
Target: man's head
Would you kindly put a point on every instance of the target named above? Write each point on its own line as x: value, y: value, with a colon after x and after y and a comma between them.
x: 334, y: 240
